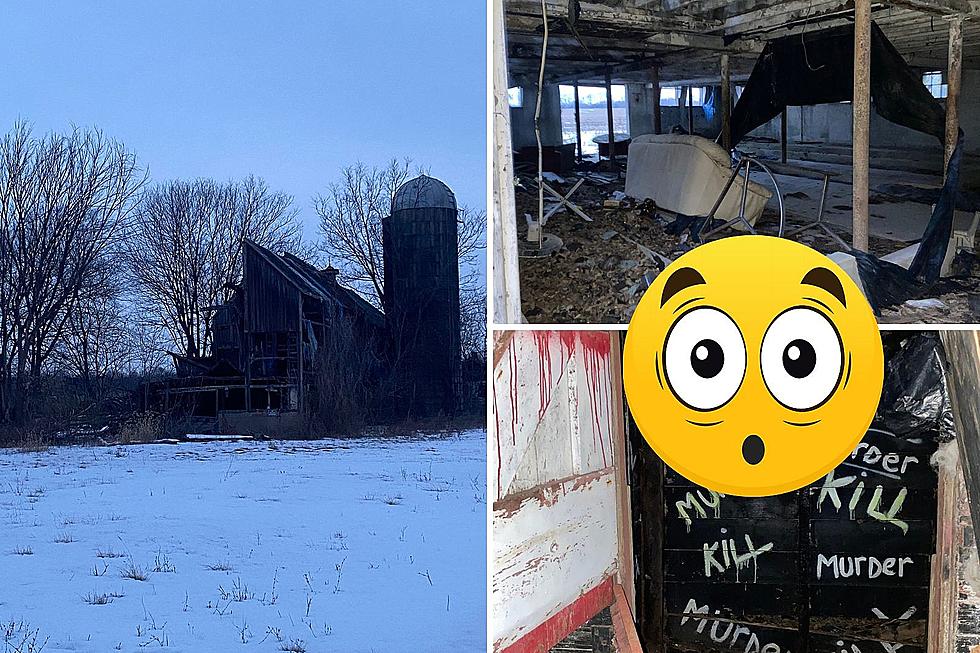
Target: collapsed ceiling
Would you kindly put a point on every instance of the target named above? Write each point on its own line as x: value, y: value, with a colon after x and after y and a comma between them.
x: 684, y: 38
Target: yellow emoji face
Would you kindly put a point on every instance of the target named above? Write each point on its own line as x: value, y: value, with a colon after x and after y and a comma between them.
x: 753, y: 365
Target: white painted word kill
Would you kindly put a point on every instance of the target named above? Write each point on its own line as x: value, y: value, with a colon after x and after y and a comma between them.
x: 871, y: 500
x: 723, y: 555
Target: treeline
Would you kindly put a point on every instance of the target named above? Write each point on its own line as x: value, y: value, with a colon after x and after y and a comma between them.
x: 104, y: 272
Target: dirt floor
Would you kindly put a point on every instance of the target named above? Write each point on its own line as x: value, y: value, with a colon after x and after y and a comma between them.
x: 604, y: 266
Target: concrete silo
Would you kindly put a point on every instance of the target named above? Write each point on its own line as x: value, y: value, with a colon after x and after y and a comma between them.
x: 421, y: 299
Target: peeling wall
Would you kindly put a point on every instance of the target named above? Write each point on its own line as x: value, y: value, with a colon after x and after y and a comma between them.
x: 552, y: 475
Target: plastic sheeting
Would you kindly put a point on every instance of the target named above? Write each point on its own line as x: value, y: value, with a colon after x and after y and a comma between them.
x: 818, y: 68
x: 915, y: 395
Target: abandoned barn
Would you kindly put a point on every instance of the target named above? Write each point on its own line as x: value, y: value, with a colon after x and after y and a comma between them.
x: 646, y: 117
x: 271, y: 336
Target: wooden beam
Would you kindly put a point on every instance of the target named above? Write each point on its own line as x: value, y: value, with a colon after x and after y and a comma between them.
x: 609, y: 121
x: 953, y: 77
x: 505, y: 283
x: 772, y: 16
x: 783, y: 137
x: 861, y: 122
x: 658, y: 120
x: 963, y: 380
x: 592, y: 72
x: 690, y: 110
x: 578, y: 123
x: 624, y: 625
x: 624, y: 509
x: 726, y: 103
x: 944, y: 573
x: 704, y: 42
x: 611, y: 16
x: 940, y: 7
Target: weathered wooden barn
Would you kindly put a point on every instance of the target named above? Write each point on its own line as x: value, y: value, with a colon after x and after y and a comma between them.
x: 261, y: 373
x: 266, y: 338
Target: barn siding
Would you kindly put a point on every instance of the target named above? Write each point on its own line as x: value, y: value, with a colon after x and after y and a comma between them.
x: 272, y: 302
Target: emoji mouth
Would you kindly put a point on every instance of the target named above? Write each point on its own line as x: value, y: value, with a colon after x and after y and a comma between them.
x: 753, y: 449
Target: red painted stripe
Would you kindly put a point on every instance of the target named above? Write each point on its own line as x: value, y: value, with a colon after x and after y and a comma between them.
x: 558, y: 626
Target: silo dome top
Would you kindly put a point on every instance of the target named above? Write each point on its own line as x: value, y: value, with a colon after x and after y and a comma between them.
x: 423, y: 192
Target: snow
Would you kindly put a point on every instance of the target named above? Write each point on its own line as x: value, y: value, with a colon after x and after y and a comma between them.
x: 343, y: 545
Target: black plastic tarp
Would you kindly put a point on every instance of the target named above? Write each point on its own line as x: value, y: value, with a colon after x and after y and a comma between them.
x: 914, y: 394
x: 818, y: 68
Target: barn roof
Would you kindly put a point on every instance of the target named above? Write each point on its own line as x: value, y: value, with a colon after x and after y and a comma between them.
x: 310, y: 281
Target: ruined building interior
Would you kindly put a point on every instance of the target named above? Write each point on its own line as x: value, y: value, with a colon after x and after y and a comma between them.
x: 261, y: 375
x: 845, y: 112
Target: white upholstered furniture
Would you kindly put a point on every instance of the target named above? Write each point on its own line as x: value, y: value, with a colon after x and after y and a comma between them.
x: 685, y: 174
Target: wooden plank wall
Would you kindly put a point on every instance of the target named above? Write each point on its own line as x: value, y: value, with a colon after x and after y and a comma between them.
x: 553, y: 477
x: 842, y: 565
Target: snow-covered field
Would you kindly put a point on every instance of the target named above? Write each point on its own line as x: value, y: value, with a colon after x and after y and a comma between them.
x: 352, y: 545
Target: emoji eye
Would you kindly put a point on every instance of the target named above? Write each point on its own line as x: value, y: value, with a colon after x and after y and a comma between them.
x: 704, y: 359
x: 802, y: 358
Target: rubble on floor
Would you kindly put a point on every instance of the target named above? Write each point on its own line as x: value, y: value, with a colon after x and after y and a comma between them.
x: 601, y: 272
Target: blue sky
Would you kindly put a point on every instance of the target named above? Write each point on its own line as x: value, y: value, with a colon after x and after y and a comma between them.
x: 290, y: 91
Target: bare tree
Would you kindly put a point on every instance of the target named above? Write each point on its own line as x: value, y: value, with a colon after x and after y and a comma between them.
x: 185, y: 249
x: 351, y: 214
x: 98, y: 346
x: 64, y: 200
x: 350, y: 221
x: 473, y: 320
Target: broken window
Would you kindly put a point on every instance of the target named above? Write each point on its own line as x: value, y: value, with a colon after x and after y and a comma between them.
x: 935, y: 82
x: 670, y: 96
x: 698, y: 96
x: 515, y: 97
x: 592, y: 113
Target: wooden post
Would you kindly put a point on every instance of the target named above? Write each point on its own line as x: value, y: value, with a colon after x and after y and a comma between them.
x: 301, y: 408
x: 247, y: 336
x: 726, y: 103
x: 657, y: 113
x: 690, y: 110
x: 578, y: 124
x: 505, y: 282
x: 861, y: 126
x: 963, y: 378
x: 624, y: 510
x: 944, y: 567
x: 609, y: 123
x: 953, y: 75
x: 783, y: 137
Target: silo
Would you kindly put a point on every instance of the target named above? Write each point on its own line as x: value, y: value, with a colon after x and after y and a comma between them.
x: 421, y: 299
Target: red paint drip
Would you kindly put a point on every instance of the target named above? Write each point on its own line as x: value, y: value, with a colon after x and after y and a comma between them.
x: 595, y: 352
x: 496, y: 415
x: 542, y: 341
x: 513, y: 394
